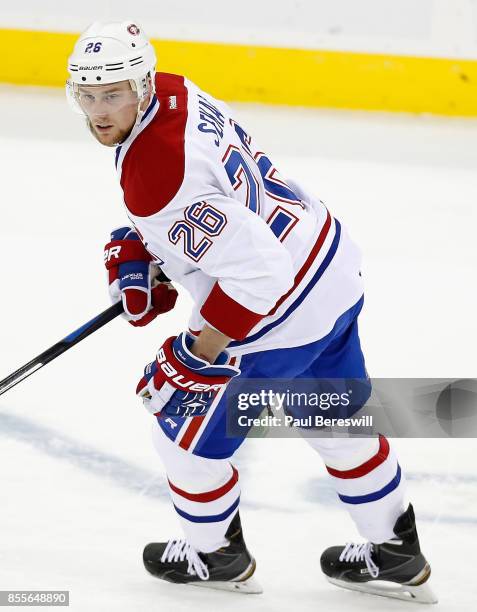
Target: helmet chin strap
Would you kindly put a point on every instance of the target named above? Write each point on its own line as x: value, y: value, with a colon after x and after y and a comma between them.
x: 146, y: 91
x: 139, y: 116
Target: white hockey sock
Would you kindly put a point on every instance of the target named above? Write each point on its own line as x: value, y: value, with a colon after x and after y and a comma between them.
x: 205, y: 493
x: 368, y: 480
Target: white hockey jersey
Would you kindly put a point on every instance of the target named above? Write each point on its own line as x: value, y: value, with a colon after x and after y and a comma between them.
x: 265, y: 262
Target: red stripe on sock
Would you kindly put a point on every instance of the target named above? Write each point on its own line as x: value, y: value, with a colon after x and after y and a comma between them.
x: 367, y: 466
x: 209, y: 495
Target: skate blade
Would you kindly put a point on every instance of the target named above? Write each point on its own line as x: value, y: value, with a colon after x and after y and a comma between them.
x: 246, y: 587
x: 421, y: 593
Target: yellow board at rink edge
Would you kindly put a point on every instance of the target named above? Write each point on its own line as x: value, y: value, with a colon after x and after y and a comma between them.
x: 247, y: 73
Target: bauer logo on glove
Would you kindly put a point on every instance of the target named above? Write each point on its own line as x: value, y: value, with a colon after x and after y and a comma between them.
x: 132, y: 278
x: 178, y: 383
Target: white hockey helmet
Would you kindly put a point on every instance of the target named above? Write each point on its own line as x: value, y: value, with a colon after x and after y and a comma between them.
x: 108, y: 53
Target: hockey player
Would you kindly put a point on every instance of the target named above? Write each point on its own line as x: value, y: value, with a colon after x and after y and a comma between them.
x: 277, y: 290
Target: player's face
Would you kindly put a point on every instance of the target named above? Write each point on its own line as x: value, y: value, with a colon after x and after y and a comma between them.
x: 111, y: 110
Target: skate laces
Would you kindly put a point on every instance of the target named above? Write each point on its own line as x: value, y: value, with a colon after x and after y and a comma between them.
x: 180, y: 550
x: 360, y: 552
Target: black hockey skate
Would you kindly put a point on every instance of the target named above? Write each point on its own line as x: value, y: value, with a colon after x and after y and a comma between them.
x: 396, y: 568
x: 229, y: 568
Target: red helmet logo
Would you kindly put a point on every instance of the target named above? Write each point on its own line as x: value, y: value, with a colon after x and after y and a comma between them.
x: 133, y: 29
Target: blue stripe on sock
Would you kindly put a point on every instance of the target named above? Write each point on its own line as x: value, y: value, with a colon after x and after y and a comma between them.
x: 213, y: 518
x: 364, y: 499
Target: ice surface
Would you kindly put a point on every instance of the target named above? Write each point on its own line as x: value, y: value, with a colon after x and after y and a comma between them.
x: 82, y: 489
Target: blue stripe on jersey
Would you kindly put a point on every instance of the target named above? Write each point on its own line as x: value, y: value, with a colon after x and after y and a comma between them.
x: 149, y: 108
x: 318, y: 274
x: 213, y: 518
x: 364, y: 499
x: 118, y: 152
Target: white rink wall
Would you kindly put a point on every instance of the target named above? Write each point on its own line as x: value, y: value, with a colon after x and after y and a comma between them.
x: 435, y: 28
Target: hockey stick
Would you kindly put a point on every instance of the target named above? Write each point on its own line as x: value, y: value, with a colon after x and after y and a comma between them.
x: 60, y: 347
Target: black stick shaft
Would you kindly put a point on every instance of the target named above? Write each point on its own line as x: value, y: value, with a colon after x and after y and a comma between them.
x: 60, y: 347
